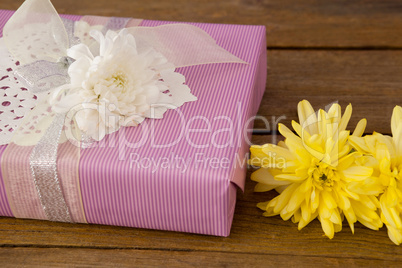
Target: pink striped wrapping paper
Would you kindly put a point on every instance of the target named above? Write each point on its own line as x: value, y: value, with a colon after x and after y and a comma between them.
x: 163, y: 174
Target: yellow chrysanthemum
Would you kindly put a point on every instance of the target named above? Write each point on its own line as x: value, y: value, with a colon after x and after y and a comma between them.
x: 316, y: 172
x: 385, y: 155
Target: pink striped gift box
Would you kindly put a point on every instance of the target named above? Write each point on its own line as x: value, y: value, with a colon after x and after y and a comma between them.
x: 185, y: 173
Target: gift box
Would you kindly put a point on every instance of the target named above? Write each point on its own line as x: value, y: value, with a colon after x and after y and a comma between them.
x: 179, y: 173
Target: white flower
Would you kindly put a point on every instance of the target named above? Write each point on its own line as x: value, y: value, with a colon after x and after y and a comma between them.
x: 119, y: 86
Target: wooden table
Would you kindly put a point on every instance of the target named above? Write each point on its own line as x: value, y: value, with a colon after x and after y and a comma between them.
x: 324, y: 51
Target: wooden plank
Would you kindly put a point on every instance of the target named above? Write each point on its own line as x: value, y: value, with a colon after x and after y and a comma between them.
x: 61, y: 257
x: 290, y: 23
x: 251, y: 234
x: 370, y: 80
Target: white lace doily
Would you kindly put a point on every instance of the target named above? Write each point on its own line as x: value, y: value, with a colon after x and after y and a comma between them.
x: 16, y: 98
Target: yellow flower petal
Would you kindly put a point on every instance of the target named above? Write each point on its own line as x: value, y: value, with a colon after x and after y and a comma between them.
x: 344, y: 202
x: 323, y: 124
x: 280, y: 189
x: 337, y: 227
x: 264, y: 177
x: 289, y: 135
x: 394, y: 234
x: 351, y: 218
x: 315, y: 201
x: 282, y: 144
x: 370, y: 141
x: 347, y: 161
x: 359, y: 144
x: 373, y: 225
x: 299, y: 131
x: 269, y: 214
x: 345, y: 118
x: 263, y: 205
x: 296, y: 217
x: 328, y: 200
x: 370, y: 186
x: 294, y: 202
x: 284, y: 197
x: 366, y: 201
x: 390, y: 213
x: 274, y: 151
x: 397, y: 138
x: 307, y: 117
x: 382, y: 152
x: 390, y: 197
x: 289, y: 178
x: 335, y: 217
x: 324, y: 211
x: 335, y: 113
x: 327, y: 227
x: 360, y: 128
x: 303, y: 222
x: 357, y: 173
x: 364, y: 213
x: 261, y: 187
x: 396, y: 119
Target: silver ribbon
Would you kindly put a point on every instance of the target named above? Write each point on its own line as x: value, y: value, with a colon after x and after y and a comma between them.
x: 44, y: 75
x: 43, y: 162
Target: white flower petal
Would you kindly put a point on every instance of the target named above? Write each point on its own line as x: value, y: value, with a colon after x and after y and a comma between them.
x: 79, y: 51
x: 78, y: 71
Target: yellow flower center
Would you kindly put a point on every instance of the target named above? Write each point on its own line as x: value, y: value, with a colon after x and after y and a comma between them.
x: 119, y: 79
x: 117, y: 83
x: 323, y: 176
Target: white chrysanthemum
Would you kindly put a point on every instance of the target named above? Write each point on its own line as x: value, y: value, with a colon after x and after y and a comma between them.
x: 119, y: 86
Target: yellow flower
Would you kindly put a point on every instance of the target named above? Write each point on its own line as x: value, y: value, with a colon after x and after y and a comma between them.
x: 316, y: 172
x: 386, y: 154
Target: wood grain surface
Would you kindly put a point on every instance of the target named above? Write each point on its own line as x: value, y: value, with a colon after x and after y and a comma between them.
x: 342, y: 51
x: 290, y: 23
x: 370, y: 80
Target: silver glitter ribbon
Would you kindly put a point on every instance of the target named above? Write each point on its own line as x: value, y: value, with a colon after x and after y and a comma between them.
x: 43, y: 162
x: 43, y: 76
